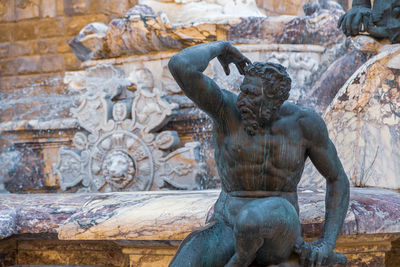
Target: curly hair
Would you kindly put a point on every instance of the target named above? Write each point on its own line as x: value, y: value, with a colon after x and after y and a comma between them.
x: 276, y: 80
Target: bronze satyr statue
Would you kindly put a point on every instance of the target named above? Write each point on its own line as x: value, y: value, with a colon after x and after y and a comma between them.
x: 383, y: 21
x: 261, y: 144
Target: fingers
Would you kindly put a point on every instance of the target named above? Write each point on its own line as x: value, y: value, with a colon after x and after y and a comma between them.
x: 241, y: 66
x: 246, y: 60
x: 298, y: 245
x: 365, y: 22
x: 233, y: 55
x: 349, y: 21
x: 226, y: 69
x: 344, y: 22
x: 224, y: 65
x: 320, y: 258
x: 313, y: 256
x: 309, y: 255
x: 357, y: 24
x: 305, y: 252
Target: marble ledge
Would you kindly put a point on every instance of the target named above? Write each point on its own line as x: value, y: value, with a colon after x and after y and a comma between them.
x: 171, y: 215
x: 245, y: 48
x: 29, y: 125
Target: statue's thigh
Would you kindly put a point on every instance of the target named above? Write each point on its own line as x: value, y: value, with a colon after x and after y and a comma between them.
x: 273, y: 219
x: 210, y: 246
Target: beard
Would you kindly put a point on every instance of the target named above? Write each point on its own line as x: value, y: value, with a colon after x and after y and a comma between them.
x: 253, y: 122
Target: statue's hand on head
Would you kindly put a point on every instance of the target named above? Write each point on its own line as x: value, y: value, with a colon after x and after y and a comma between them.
x: 233, y: 55
x: 355, y: 20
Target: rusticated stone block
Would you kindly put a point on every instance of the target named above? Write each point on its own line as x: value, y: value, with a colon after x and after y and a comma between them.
x: 8, y: 253
x: 51, y: 28
x: 7, y: 68
x: 71, y: 62
x: 97, y: 6
x: 26, y: 65
x: 62, y: 45
x: 27, y: 9
x: 48, y: 8
x: 7, y: 10
x: 60, y: 7
x: 392, y: 258
x: 6, y: 32
x: 51, y: 63
x: 21, y: 65
x: 75, y: 7
x: 72, y: 253
x: 11, y: 83
x: 116, y: 8
x: 278, y: 7
x: 75, y: 24
x: 4, y: 50
x: 46, y: 46
x: 24, y: 30
x: 22, y: 48
x: 146, y: 257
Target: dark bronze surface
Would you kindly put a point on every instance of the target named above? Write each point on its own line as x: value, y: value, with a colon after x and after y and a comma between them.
x: 261, y: 144
x: 382, y: 21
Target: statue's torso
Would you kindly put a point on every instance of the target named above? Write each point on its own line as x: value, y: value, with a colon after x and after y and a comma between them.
x: 271, y: 161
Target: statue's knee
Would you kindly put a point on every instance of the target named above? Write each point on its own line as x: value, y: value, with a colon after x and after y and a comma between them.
x: 247, y: 222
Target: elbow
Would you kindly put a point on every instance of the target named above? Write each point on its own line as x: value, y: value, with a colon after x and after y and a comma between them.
x: 176, y: 63
x: 340, y: 183
x: 173, y: 63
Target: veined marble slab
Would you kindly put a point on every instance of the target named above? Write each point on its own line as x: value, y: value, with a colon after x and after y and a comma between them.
x: 171, y: 215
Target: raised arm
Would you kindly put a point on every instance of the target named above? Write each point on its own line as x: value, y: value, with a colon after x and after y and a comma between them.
x: 187, y: 66
x: 323, y: 154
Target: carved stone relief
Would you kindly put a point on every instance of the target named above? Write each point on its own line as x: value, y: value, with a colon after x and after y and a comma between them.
x: 121, y: 150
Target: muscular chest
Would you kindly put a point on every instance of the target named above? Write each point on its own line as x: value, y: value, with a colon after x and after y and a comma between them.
x: 276, y: 147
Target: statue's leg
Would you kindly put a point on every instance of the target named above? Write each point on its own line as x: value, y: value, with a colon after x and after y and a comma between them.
x: 265, y: 231
x: 210, y: 246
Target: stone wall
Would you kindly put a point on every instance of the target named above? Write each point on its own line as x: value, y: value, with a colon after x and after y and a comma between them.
x: 34, y: 50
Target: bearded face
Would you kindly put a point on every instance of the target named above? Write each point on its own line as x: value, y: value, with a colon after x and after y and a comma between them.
x: 256, y: 105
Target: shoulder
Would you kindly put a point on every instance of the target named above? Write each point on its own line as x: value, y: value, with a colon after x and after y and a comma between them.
x: 228, y: 115
x: 229, y: 101
x: 228, y: 95
x: 311, y: 124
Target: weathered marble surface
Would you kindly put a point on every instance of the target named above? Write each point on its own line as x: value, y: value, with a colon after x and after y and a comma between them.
x: 354, y: 53
x: 187, y: 11
x: 171, y: 215
x: 27, y: 125
x: 41, y: 213
x: 364, y: 124
x: 143, y: 30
